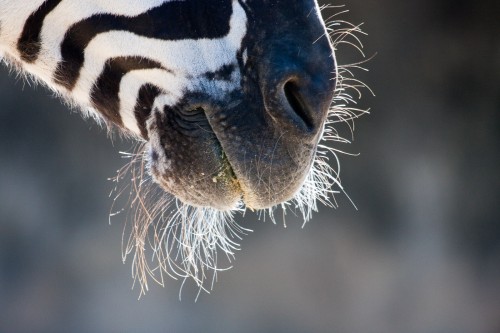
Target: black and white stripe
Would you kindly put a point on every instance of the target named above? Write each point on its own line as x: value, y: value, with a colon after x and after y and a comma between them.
x: 118, y: 57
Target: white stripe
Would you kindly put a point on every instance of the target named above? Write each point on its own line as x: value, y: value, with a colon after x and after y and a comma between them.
x: 132, y: 82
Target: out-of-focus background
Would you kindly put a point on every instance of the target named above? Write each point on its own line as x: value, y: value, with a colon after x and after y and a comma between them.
x: 420, y: 255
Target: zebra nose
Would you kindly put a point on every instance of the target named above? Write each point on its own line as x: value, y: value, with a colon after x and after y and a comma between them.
x: 300, y: 102
x: 307, y: 101
x: 297, y: 104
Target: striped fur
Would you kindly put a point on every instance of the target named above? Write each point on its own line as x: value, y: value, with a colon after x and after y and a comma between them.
x: 155, y: 43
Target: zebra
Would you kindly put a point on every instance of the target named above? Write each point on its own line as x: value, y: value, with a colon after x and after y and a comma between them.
x: 228, y: 98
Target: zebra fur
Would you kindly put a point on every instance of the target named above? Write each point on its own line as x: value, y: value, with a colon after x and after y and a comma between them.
x: 40, y: 47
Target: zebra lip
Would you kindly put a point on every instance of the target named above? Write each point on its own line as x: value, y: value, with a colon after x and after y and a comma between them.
x: 287, y: 176
x: 228, y: 164
x: 229, y: 170
x: 236, y: 181
x: 188, y: 161
x: 247, y: 196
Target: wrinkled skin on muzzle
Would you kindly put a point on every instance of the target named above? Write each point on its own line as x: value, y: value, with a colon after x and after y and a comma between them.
x: 249, y: 130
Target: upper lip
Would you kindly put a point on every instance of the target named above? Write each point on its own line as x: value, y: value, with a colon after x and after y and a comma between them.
x: 224, y: 158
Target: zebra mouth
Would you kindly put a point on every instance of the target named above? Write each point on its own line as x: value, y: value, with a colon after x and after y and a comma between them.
x: 187, y: 159
x: 267, y: 164
x: 207, y: 157
x: 222, y: 154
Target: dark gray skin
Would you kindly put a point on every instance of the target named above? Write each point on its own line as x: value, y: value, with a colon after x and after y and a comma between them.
x: 257, y: 142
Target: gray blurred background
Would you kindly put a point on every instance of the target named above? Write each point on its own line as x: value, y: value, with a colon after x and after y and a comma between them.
x: 421, y: 254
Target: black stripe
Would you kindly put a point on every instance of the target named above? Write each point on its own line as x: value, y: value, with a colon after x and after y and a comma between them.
x: 176, y: 20
x: 29, y: 42
x: 222, y: 74
x: 104, y: 94
x: 145, y: 99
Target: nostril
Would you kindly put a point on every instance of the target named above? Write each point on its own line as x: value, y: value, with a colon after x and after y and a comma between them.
x: 297, y: 103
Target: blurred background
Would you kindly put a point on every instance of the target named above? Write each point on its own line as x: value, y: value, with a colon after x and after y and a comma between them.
x: 421, y: 254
